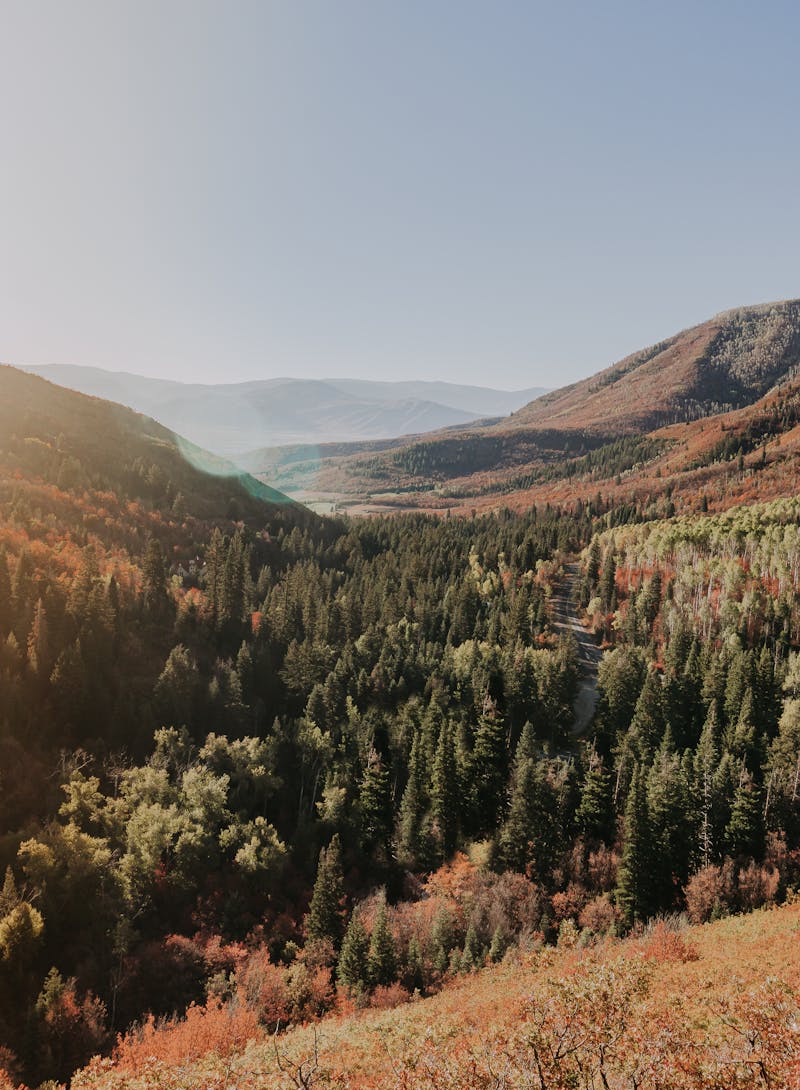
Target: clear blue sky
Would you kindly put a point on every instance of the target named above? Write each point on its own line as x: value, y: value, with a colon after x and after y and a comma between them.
x: 497, y: 192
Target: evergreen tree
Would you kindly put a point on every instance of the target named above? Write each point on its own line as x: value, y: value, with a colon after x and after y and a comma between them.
x: 498, y: 946
x: 607, y: 587
x: 352, y: 969
x: 374, y: 804
x: 154, y: 576
x: 669, y: 824
x: 472, y: 956
x: 744, y: 835
x: 382, y: 961
x: 633, y: 880
x: 39, y: 658
x: 488, y: 772
x: 445, y: 793
x: 647, y: 725
x: 411, y: 836
x: 325, y: 919
x: 594, y: 817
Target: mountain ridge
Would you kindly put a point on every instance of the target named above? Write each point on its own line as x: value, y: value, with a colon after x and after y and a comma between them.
x: 678, y: 390
x: 234, y: 418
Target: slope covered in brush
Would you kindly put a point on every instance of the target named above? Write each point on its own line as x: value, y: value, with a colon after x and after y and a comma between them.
x: 722, y: 364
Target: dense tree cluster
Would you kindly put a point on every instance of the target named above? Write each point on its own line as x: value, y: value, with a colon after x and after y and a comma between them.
x: 336, y: 758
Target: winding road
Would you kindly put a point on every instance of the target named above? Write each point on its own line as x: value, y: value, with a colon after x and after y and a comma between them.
x: 565, y: 619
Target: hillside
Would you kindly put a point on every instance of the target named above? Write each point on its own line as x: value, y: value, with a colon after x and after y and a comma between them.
x: 63, y: 439
x: 232, y: 418
x: 298, y: 766
x: 725, y: 363
x: 697, y: 1009
x: 655, y: 414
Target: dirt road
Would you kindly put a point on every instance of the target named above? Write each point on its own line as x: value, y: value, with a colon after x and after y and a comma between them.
x: 565, y: 619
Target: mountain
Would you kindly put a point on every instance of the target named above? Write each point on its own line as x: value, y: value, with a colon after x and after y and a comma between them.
x: 234, y: 418
x: 675, y: 411
x: 723, y: 364
x: 88, y: 448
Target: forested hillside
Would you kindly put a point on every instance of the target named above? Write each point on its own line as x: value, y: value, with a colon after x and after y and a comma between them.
x: 298, y: 765
x: 686, y: 406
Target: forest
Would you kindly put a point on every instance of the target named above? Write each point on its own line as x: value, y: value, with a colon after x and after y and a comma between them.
x: 299, y: 766
x: 347, y: 774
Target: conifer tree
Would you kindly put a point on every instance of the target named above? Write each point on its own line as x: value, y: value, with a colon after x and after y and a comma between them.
x: 607, y: 587
x: 445, y: 793
x: 413, y: 808
x: 39, y: 643
x: 415, y: 963
x: 352, y: 969
x: 498, y: 946
x: 382, y: 961
x: 744, y: 835
x: 488, y: 772
x: 473, y: 952
x: 374, y: 803
x: 668, y: 816
x: 647, y: 725
x: 594, y: 817
x: 633, y: 881
x: 325, y: 919
x: 5, y: 593
x: 517, y: 835
x: 705, y: 764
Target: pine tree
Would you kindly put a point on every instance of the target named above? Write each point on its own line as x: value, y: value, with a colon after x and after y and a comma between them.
x: 9, y: 897
x: 325, y: 919
x: 472, y: 956
x: 445, y: 793
x: 705, y: 763
x: 744, y: 835
x: 374, y: 801
x: 488, y: 772
x: 668, y: 818
x: 5, y: 594
x: 352, y: 969
x: 647, y: 725
x: 412, y: 809
x: 154, y: 576
x: 39, y: 643
x: 216, y: 552
x: 594, y: 817
x: 633, y: 881
x: 498, y: 946
x: 607, y: 586
x: 415, y: 975
x: 382, y: 962
x: 442, y: 940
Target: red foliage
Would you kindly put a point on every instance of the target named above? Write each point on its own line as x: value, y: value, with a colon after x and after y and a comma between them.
x: 213, y: 1027
x: 664, y: 944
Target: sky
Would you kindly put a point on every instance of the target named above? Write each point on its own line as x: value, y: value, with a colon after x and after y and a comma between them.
x: 510, y: 194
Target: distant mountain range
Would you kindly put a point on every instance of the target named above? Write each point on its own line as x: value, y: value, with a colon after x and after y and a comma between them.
x: 233, y: 418
x: 710, y: 416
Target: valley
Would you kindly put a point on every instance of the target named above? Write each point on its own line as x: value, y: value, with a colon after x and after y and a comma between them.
x: 311, y: 769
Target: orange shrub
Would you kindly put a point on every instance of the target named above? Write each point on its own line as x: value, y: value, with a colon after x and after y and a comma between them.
x: 600, y: 915
x: 664, y: 944
x: 706, y: 894
x: 217, y: 1028
x: 757, y: 885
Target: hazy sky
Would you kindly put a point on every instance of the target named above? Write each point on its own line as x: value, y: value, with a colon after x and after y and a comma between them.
x: 497, y: 192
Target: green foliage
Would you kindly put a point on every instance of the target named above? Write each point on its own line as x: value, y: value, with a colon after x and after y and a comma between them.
x: 352, y: 970
x: 325, y: 919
